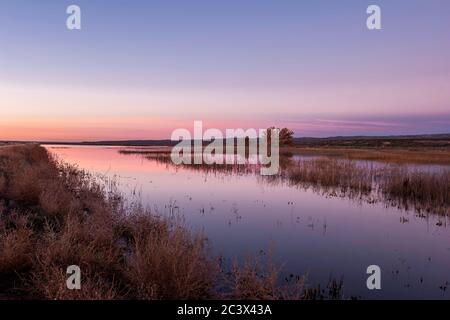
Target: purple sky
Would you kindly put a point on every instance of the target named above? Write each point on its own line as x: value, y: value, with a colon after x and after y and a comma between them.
x: 140, y: 69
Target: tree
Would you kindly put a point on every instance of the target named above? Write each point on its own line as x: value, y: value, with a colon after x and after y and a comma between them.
x: 286, y: 136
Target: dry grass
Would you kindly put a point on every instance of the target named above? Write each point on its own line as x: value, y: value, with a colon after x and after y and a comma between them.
x: 413, y: 154
x: 169, y: 276
x: 252, y: 281
x: 422, y: 191
x: 394, y: 184
x: 256, y: 280
x: 225, y: 168
x: 53, y: 215
x: 418, y: 155
x: 332, y: 175
x: 16, y: 244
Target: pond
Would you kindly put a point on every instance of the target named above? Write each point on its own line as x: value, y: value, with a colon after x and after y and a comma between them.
x: 306, y: 232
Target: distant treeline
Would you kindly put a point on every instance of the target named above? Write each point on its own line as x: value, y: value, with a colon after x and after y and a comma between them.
x: 431, y: 140
x: 415, y: 141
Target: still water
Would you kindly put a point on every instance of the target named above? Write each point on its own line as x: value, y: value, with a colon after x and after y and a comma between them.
x: 307, y: 232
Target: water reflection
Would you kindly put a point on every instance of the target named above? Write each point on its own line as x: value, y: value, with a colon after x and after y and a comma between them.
x: 309, y: 231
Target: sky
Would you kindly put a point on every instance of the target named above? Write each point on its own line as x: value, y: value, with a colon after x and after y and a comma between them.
x: 141, y: 69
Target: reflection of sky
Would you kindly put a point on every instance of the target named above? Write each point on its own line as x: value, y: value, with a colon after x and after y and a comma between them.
x: 315, y: 234
x: 139, y: 69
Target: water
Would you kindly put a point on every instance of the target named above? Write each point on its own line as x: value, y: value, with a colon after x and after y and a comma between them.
x: 307, y: 233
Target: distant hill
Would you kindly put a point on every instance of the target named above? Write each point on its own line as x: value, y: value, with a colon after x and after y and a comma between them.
x: 424, y: 140
x: 439, y: 136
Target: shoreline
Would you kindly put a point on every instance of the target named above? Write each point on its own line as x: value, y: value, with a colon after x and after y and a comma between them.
x: 123, y: 252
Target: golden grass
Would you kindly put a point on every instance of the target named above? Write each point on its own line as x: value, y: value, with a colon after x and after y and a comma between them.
x: 53, y: 215
x: 408, y: 189
x: 418, y: 155
x: 393, y: 184
x: 422, y: 191
x: 331, y: 175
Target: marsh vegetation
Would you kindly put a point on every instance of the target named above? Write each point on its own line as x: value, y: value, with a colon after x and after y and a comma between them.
x: 395, y: 184
x: 53, y: 215
x: 321, y: 215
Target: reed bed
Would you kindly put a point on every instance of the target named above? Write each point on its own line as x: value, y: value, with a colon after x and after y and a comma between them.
x: 214, y: 169
x: 422, y: 191
x: 395, y: 184
x: 331, y: 175
x: 398, y: 186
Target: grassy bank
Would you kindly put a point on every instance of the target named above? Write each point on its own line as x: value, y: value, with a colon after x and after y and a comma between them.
x: 392, y: 155
x: 53, y: 215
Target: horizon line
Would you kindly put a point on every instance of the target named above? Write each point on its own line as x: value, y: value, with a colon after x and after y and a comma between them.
x: 169, y: 140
